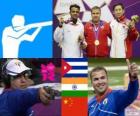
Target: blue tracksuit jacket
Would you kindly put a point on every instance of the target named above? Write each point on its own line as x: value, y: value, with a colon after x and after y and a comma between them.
x: 18, y: 102
x: 115, y: 102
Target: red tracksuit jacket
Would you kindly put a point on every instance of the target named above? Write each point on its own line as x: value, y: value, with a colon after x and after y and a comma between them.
x: 132, y: 36
x: 102, y: 50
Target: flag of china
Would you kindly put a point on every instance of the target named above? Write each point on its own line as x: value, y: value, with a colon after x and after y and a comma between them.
x: 74, y: 106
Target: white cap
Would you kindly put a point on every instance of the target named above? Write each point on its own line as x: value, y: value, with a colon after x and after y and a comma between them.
x: 15, y: 67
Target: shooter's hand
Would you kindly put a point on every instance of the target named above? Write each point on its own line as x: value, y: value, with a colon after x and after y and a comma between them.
x: 134, y: 19
x: 133, y: 70
x: 83, y: 46
x: 61, y: 21
x: 81, y: 38
x: 44, y: 96
x: 52, y: 92
x: 132, y: 24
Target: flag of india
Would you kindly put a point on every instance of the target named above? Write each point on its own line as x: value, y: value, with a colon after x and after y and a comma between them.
x: 74, y: 86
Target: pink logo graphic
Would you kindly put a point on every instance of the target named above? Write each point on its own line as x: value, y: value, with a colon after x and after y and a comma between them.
x: 48, y: 72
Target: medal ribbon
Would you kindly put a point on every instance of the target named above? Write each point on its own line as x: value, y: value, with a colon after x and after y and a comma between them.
x: 96, y: 33
x: 96, y: 30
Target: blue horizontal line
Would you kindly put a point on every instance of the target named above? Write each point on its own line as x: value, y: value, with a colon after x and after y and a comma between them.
x: 76, y: 75
x: 76, y: 59
x: 79, y: 67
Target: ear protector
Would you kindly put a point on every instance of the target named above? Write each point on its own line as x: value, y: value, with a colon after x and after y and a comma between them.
x: 5, y: 77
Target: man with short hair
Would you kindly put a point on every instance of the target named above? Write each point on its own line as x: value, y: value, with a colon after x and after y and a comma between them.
x: 108, y: 102
x: 96, y: 35
x: 123, y: 33
x: 70, y: 34
x: 16, y: 100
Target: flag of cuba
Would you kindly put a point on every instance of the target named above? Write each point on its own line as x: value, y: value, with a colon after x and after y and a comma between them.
x: 75, y: 67
x: 26, y: 28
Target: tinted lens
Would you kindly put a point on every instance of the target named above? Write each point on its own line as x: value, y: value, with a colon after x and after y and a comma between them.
x: 26, y: 74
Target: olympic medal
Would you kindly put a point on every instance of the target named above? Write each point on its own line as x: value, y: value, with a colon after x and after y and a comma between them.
x: 96, y: 42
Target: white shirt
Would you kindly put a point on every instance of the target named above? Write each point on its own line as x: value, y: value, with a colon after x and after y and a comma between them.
x: 119, y: 34
x: 68, y: 38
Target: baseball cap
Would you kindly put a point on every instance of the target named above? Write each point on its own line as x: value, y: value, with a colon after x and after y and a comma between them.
x: 15, y: 67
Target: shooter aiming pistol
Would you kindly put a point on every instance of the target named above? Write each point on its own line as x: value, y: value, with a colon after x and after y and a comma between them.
x: 51, y: 93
